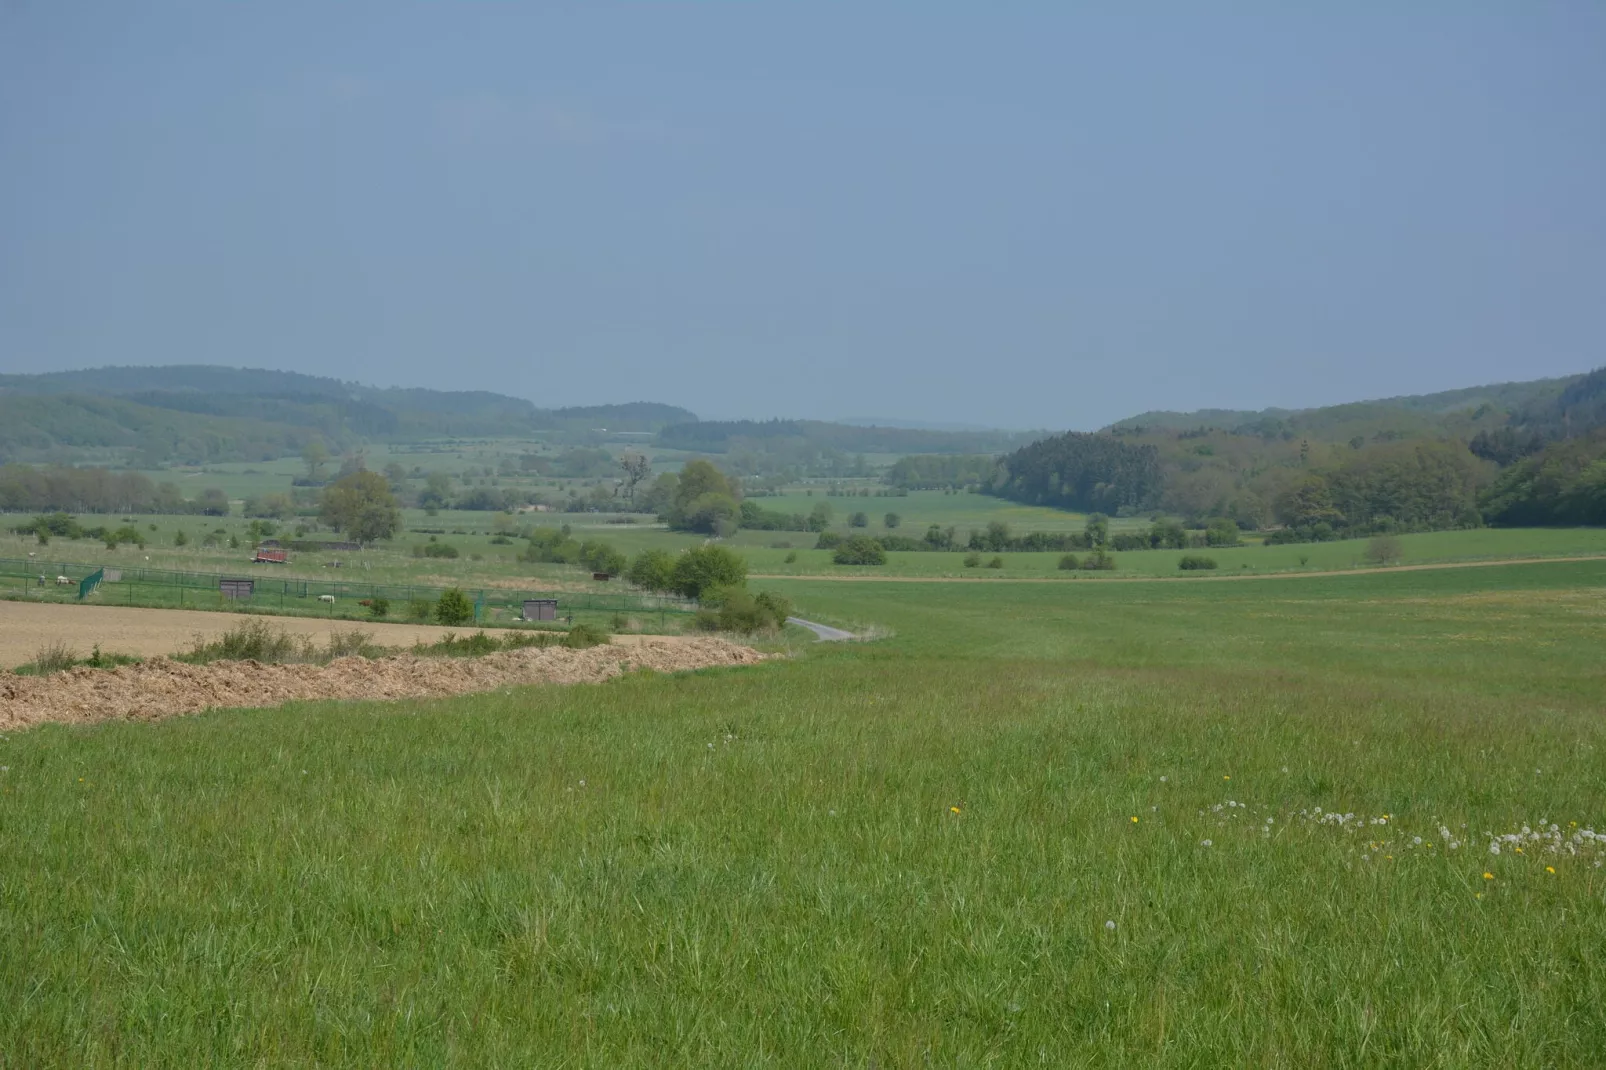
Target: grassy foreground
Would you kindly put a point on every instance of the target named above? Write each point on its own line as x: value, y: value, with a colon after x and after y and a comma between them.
x: 1051, y: 825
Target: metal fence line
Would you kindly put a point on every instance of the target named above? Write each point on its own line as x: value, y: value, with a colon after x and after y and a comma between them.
x: 187, y: 588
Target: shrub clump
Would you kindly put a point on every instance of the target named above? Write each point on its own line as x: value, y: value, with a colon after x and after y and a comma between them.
x: 454, y: 608
x: 738, y: 611
x: 250, y: 640
x: 860, y: 550
x: 1098, y: 561
x: 708, y: 568
x: 1070, y: 562
x: 53, y: 657
x: 1196, y: 562
x: 582, y: 636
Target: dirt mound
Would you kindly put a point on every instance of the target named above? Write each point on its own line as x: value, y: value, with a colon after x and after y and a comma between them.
x: 162, y: 688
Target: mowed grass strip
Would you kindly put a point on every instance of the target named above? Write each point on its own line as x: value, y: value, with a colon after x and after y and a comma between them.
x: 910, y: 852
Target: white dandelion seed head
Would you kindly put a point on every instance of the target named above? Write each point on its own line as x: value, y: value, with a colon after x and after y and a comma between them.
x: 1110, y: 925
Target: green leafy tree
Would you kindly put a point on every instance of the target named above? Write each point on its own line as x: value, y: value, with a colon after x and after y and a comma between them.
x: 820, y: 516
x: 892, y: 520
x: 860, y: 550
x: 705, y: 501
x: 1384, y: 550
x: 454, y: 608
x: 652, y: 570
x: 212, y: 502
x: 705, y: 568
x: 1098, y: 529
x: 316, y: 455
x: 859, y: 520
x: 361, y: 505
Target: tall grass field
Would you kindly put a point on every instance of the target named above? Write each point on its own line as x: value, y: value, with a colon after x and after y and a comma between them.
x: 1344, y: 821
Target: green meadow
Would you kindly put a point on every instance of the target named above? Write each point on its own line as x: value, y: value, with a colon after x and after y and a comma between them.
x: 1075, y: 824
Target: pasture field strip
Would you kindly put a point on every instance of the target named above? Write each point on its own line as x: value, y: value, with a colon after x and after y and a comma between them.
x: 25, y: 627
x: 982, y: 577
x: 1164, y: 825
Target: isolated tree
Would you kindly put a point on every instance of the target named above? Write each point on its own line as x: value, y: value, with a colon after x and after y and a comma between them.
x: 362, y: 506
x: 820, y: 516
x: 859, y: 520
x: 706, y: 568
x: 704, y: 500
x: 454, y: 608
x: 1098, y: 529
x: 212, y: 502
x: 316, y: 455
x: 437, y: 491
x: 860, y: 550
x: 892, y: 520
x: 636, y: 467
x: 1383, y: 550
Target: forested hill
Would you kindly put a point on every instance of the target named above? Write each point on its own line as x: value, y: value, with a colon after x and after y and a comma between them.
x: 1508, y: 453
x: 204, y: 413
x: 1407, y: 413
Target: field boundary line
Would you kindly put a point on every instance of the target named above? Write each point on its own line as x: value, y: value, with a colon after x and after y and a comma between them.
x: 824, y: 578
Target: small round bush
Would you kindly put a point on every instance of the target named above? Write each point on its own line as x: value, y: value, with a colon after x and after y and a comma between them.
x: 860, y: 550
x: 454, y: 608
x: 1196, y: 562
x: 997, y: 562
x: 973, y: 560
x: 1070, y: 562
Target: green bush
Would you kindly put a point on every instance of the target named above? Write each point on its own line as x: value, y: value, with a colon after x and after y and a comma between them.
x: 652, y: 570
x: 704, y: 568
x: 1098, y: 561
x: 733, y: 609
x: 1196, y: 562
x: 997, y: 562
x: 1070, y: 562
x: 973, y: 560
x: 251, y: 640
x: 379, y: 607
x: 420, y: 608
x: 454, y: 608
x: 584, y: 635
x: 860, y: 550
x: 435, y: 549
x: 791, y: 558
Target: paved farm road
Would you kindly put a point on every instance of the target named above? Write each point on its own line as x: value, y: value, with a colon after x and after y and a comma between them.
x: 825, y: 633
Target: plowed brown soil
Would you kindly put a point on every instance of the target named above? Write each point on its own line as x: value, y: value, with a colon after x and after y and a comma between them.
x: 164, y: 688
x: 25, y: 627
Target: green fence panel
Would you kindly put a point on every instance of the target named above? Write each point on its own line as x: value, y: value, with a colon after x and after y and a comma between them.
x: 89, y: 583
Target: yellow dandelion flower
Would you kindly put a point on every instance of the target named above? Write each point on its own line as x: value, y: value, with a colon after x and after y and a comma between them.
x: 1226, y: 778
x: 1134, y: 819
x: 1519, y: 850
x: 1550, y: 869
x: 953, y: 809
x: 1477, y: 895
x: 1488, y: 876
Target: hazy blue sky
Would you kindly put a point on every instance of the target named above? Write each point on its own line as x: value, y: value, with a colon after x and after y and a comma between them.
x: 1043, y: 215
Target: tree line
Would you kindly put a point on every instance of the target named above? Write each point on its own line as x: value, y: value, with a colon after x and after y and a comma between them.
x: 24, y: 488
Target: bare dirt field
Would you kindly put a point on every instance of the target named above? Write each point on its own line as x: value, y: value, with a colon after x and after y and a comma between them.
x: 25, y: 627
x: 161, y: 688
